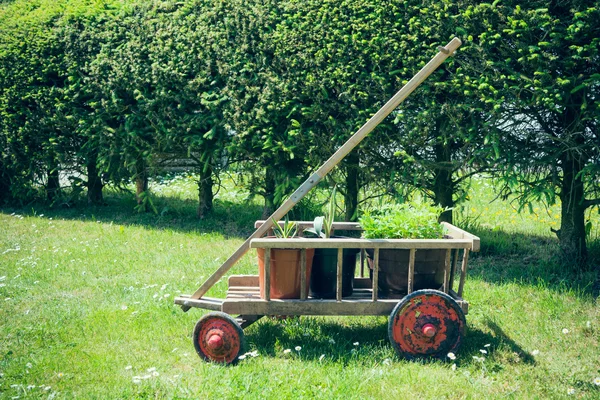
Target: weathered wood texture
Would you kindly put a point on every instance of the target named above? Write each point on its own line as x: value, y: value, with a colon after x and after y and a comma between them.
x: 458, y: 233
x: 375, y: 274
x: 337, y: 226
x: 411, y: 270
x: 301, y: 243
x: 207, y: 303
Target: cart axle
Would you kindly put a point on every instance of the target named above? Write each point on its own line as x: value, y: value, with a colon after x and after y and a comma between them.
x: 429, y: 330
x: 215, y: 342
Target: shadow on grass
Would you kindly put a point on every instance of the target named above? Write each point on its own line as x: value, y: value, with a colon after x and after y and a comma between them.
x: 227, y: 218
x: 318, y: 336
x: 534, y: 260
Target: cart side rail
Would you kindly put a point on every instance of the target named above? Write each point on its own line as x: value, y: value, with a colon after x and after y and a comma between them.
x: 458, y: 233
x: 303, y: 243
x: 302, y: 225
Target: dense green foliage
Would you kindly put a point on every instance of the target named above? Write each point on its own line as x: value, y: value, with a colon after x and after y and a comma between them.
x: 403, y: 221
x: 110, y: 92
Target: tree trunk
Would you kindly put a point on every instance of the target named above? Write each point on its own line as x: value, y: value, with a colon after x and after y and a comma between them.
x: 269, y: 193
x: 443, y: 186
x: 141, y: 181
x: 205, y: 192
x: 352, y: 164
x: 571, y: 234
x: 94, y: 183
x: 4, y: 184
x: 53, y: 185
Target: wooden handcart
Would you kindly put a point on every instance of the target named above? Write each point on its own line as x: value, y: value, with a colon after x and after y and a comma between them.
x: 429, y: 322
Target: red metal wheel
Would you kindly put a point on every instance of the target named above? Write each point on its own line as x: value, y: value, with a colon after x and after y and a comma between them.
x: 426, y: 324
x: 218, y: 338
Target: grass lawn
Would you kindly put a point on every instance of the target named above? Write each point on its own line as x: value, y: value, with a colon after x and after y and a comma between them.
x: 86, y: 311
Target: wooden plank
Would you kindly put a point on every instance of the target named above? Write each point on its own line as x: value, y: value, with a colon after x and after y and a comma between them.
x: 249, y: 296
x: 340, y: 226
x: 267, y: 275
x: 461, y: 302
x: 338, y: 288
x: 207, y: 303
x: 463, y: 272
x: 242, y: 280
x: 303, y: 274
x: 447, y: 263
x: 362, y: 283
x: 314, y: 307
x: 243, y: 291
x: 411, y: 271
x: 362, y: 263
x: 361, y: 243
x: 453, y: 268
x: 458, y: 233
x: 309, y: 307
x: 375, y: 274
x: 246, y: 320
x: 340, y: 153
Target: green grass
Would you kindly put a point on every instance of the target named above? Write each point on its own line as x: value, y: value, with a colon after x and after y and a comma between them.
x: 87, y: 292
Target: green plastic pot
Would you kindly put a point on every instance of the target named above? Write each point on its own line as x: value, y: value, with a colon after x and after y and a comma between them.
x: 323, y: 278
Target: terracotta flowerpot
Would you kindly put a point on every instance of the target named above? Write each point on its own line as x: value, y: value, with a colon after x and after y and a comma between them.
x: 285, y: 272
x: 393, y: 270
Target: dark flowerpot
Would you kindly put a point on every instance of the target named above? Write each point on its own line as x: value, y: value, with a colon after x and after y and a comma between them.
x: 323, y: 279
x: 285, y: 272
x: 393, y: 270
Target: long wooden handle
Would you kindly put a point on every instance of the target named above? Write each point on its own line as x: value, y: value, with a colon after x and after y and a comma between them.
x: 346, y: 148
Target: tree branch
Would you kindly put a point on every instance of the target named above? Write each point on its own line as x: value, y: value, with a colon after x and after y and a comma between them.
x: 591, y: 203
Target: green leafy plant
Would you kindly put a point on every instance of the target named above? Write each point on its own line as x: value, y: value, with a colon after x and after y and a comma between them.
x: 323, y: 225
x: 403, y: 221
x: 285, y: 231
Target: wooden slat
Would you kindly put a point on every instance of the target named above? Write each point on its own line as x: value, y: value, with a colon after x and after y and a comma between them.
x: 361, y: 243
x: 411, y: 270
x: 340, y: 226
x: 447, y: 263
x: 463, y: 272
x: 313, y: 307
x: 453, y: 268
x: 362, y: 283
x: 242, y: 280
x: 338, y: 288
x: 458, y: 233
x: 309, y: 307
x: 362, y: 263
x: 246, y: 320
x: 267, y: 275
x: 247, y: 295
x: 340, y: 153
x: 461, y: 302
x: 375, y: 274
x: 303, y: 274
x: 254, y: 293
x: 207, y: 303
x: 238, y: 290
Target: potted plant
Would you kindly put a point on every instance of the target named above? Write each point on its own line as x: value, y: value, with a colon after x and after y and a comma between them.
x: 405, y: 221
x: 285, y: 265
x: 323, y: 279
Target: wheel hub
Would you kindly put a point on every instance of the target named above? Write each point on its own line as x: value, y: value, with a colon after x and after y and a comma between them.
x: 215, y: 342
x: 429, y: 330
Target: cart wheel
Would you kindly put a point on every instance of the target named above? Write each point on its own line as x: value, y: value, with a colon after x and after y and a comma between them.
x: 426, y: 324
x: 218, y: 338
